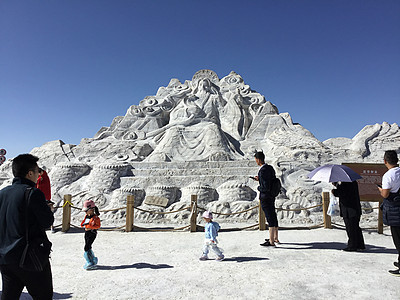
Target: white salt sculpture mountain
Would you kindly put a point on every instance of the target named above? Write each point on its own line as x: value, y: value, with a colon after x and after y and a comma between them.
x: 200, y: 137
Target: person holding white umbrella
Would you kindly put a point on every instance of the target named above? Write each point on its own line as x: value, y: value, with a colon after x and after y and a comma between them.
x: 350, y: 211
x: 344, y: 179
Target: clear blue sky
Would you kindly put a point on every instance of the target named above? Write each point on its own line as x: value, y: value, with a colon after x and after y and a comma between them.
x: 68, y: 67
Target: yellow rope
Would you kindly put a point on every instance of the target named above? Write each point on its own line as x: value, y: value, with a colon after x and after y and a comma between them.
x: 67, y: 202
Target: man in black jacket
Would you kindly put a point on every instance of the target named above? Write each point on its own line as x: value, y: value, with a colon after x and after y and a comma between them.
x: 13, y: 231
x: 265, y: 176
x: 350, y: 211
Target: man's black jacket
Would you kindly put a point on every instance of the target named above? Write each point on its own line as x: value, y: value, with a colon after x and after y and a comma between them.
x: 265, y: 176
x: 12, y: 219
x: 349, y: 199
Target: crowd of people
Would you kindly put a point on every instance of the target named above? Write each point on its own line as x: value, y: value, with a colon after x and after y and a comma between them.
x: 26, y: 212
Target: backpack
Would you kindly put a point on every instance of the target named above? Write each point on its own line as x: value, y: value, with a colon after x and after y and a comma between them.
x: 275, y: 187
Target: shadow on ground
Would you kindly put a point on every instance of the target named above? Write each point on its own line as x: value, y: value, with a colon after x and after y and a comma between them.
x: 26, y: 296
x: 336, y: 246
x: 135, y: 266
x: 240, y: 259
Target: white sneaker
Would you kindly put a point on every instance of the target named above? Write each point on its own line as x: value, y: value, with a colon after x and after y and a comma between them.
x: 203, y: 257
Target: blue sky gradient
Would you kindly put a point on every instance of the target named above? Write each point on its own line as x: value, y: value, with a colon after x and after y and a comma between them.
x: 67, y: 68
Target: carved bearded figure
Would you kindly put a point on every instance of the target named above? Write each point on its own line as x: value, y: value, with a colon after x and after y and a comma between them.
x: 194, y: 129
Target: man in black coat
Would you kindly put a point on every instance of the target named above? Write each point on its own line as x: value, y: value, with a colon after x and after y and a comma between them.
x: 350, y: 211
x: 13, y: 209
x: 265, y: 176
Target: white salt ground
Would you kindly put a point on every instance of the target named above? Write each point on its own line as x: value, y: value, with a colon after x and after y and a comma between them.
x: 165, y: 265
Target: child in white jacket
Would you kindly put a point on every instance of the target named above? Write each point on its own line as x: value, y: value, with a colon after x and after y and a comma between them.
x: 211, y: 231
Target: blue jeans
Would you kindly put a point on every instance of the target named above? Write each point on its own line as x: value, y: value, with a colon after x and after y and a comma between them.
x: 208, y: 244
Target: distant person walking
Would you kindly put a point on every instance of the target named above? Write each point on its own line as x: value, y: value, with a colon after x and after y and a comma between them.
x: 266, y: 174
x: 16, y: 205
x: 350, y: 211
x: 211, y: 230
x: 43, y: 184
x: 390, y: 191
x: 91, y: 222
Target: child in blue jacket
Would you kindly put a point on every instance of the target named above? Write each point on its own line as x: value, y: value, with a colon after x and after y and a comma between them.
x: 211, y: 231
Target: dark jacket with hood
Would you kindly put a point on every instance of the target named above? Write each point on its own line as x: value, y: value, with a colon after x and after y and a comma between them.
x: 12, y: 219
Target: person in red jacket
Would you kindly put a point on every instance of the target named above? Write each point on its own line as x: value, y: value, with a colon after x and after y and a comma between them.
x: 91, y: 222
x: 43, y: 184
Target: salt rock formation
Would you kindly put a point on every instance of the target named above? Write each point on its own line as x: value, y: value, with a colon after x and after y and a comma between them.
x: 199, y: 137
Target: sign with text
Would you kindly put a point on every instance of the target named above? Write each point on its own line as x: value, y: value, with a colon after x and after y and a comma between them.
x: 371, y: 176
x: 156, y: 200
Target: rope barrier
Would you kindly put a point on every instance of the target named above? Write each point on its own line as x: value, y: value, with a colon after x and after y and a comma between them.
x: 297, y: 209
x: 228, y: 214
x: 301, y: 227
x: 238, y: 229
x: 162, y: 212
x: 111, y: 229
x: 161, y: 229
x: 113, y: 209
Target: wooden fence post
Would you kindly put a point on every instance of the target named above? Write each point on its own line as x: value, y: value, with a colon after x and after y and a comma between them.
x: 261, y: 218
x: 66, y: 218
x: 193, y: 213
x: 325, y: 205
x: 380, y: 218
x: 130, y: 203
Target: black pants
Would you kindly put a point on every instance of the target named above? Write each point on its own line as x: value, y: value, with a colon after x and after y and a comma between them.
x: 396, y: 239
x: 90, y: 236
x: 268, y: 206
x: 354, y: 233
x: 38, y: 284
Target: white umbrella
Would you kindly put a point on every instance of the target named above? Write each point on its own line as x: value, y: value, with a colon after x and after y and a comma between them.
x: 334, y: 173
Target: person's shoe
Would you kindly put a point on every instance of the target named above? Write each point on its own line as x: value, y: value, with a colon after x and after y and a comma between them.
x: 347, y: 249
x: 203, y: 257
x: 275, y: 242
x: 53, y: 230
x: 220, y: 258
x: 267, y: 244
x: 396, y: 264
x: 93, y: 258
x: 395, y: 272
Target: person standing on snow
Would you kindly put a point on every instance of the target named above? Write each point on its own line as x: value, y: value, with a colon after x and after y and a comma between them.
x: 211, y: 230
x: 91, y: 222
x: 390, y: 191
x: 43, y: 184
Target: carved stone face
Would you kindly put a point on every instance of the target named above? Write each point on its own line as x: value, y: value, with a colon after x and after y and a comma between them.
x: 152, y: 106
x: 135, y: 110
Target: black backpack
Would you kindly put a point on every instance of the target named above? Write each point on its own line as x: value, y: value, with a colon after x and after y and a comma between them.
x: 275, y: 187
